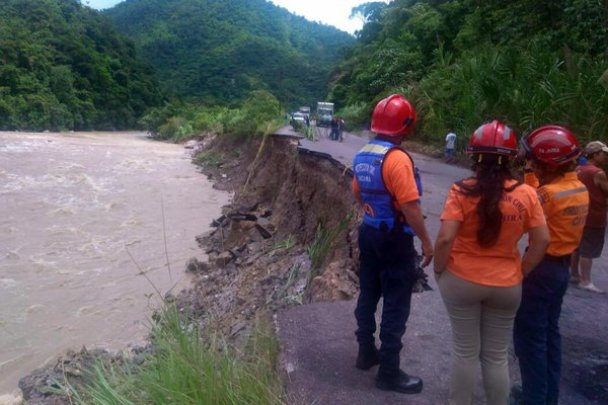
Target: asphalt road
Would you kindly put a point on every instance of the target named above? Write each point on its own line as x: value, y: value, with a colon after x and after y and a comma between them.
x: 319, y: 348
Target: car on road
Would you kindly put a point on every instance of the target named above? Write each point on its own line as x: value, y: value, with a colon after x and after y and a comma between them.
x: 297, y: 119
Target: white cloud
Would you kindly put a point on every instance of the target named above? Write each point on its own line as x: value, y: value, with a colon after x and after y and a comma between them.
x: 330, y: 12
x: 100, y: 4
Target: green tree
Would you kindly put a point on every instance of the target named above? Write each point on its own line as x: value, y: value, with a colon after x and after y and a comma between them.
x: 65, y: 66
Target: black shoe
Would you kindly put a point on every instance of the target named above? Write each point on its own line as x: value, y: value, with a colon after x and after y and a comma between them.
x: 367, y: 358
x: 402, y: 383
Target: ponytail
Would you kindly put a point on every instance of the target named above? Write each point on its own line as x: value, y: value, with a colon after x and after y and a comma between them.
x: 491, y: 173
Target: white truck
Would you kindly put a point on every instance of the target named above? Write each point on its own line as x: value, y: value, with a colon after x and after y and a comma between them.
x: 325, y: 113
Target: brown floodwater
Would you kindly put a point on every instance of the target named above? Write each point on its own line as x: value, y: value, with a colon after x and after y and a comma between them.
x: 88, y: 223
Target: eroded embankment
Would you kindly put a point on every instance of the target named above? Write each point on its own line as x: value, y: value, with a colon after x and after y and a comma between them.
x: 288, y: 237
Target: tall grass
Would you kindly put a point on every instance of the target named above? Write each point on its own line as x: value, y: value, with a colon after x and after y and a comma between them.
x: 525, y: 87
x: 323, y: 242
x: 185, y: 368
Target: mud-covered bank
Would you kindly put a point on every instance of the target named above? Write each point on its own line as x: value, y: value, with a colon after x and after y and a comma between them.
x: 261, y: 252
x: 289, y: 206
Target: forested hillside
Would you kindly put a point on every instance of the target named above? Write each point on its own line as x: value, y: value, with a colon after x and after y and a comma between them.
x: 64, y: 66
x: 527, y: 62
x: 218, y: 51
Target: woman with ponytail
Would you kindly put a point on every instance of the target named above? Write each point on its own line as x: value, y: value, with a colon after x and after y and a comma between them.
x: 478, y: 266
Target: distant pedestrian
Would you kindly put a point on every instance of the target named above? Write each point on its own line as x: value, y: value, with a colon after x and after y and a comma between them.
x: 594, y: 178
x: 341, y: 125
x: 450, y: 146
x: 334, y: 129
x: 387, y: 185
x: 477, y: 264
x: 551, y: 152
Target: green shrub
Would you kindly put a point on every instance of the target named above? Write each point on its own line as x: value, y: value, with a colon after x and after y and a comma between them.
x: 209, y: 159
x: 187, y: 367
x: 356, y: 116
x: 259, y: 115
x: 172, y: 127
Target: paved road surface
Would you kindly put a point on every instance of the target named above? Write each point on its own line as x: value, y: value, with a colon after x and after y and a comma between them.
x: 319, y: 347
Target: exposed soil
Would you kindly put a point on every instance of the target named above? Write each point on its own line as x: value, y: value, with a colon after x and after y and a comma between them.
x: 258, y: 250
x: 258, y: 257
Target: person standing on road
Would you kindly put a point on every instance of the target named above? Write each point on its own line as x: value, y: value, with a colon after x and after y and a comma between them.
x: 552, y: 152
x: 341, y: 127
x: 335, y: 128
x: 450, y: 146
x: 594, y: 178
x: 477, y: 264
x: 388, y: 187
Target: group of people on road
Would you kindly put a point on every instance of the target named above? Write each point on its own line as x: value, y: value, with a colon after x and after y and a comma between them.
x: 491, y: 292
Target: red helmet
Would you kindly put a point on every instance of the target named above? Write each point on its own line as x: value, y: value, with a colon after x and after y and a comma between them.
x: 393, y: 116
x: 493, y: 138
x: 552, y: 144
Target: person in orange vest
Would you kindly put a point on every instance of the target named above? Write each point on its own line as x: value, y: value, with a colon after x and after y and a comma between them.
x: 478, y: 267
x: 551, y: 152
x: 387, y: 185
x: 594, y: 178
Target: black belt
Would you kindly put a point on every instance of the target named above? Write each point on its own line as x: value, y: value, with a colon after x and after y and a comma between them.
x: 558, y: 258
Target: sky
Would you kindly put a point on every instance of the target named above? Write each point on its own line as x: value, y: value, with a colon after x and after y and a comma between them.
x: 330, y: 12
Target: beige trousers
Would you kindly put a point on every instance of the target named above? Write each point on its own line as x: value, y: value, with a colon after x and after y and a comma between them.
x: 482, y: 328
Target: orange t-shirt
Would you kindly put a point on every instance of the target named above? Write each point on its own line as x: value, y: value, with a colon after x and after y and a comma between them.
x: 498, y: 265
x: 565, y: 202
x: 398, y: 175
x: 531, y: 180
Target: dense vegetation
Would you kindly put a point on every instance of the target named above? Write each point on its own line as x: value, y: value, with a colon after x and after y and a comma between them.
x: 218, y: 51
x: 463, y: 62
x: 64, y: 66
x: 259, y: 114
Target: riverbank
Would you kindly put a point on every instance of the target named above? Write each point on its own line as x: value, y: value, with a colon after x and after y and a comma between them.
x: 92, y: 224
x: 269, y: 249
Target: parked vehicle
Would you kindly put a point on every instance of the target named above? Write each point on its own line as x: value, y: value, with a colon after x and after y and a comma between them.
x: 305, y: 110
x: 298, y: 119
x: 325, y: 113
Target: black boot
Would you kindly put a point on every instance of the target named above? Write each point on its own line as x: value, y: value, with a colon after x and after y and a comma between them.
x: 400, y: 382
x: 367, y: 357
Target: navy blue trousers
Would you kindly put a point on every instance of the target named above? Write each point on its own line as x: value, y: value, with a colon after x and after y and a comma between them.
x: 536, y: 332
x: 387, y: 270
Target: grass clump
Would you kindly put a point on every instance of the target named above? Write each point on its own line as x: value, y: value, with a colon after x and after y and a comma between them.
x: 209, y: 159
x: 187, y: 367
x: 323, y: 242
x: 283, y: 246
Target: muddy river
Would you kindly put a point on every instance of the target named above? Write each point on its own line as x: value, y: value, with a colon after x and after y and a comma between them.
x: 93, y: 226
